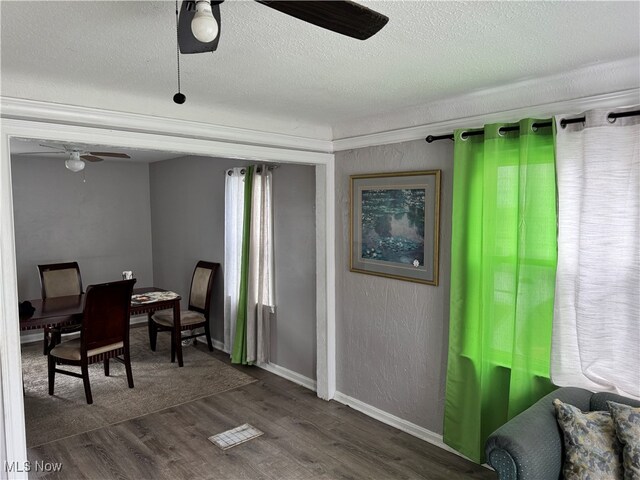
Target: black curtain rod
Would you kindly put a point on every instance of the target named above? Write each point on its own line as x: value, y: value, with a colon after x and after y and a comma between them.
x: 563, y: 123
x: 258, y: 170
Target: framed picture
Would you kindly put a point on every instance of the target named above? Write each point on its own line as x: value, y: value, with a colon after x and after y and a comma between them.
x: 395, y: 221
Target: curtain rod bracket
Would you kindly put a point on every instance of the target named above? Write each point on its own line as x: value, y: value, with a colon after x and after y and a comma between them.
x: 431, y: 138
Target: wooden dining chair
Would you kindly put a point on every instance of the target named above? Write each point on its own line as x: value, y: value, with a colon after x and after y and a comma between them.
x: 196, y: 316
x: 104, y: 334
x: 59, y: 280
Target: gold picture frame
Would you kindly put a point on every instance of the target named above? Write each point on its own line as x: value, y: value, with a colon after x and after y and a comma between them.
x: 395, y: 225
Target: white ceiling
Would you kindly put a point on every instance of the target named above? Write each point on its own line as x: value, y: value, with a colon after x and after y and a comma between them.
x: 275, y: 66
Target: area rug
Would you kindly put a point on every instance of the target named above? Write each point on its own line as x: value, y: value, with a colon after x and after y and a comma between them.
x: 159, y: 384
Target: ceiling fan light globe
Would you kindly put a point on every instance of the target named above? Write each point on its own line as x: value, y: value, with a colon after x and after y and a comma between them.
x: 75, y: 165
x: 204, y: 26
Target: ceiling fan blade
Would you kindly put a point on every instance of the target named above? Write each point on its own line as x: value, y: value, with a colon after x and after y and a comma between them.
x: 187, y: 42
x: 56, y: 147
x: 91, y: 158
x: 340, y: 16
x: 39, y: 153
x: 110, y: 154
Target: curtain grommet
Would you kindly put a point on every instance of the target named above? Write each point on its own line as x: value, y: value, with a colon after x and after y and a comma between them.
x: 501, y: 132
x: 464, y: 137
x: 611, y: 118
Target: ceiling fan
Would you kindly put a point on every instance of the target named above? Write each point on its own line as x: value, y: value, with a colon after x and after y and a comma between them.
x: 199, y: 20
x: 77, y: 156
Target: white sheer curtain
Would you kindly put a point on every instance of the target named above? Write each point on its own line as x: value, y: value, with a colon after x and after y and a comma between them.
x: 260, y: 306
x: 596, y: 329
x: 233, y: 215
x: 260, y: 294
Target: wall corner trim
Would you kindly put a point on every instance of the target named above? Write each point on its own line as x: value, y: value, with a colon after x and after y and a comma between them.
x: 397, y: 422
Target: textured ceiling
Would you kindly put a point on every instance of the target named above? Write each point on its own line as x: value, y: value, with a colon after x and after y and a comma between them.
x: 276, y: 66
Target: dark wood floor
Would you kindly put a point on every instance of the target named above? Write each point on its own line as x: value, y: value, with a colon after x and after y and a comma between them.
x: 304, y: 438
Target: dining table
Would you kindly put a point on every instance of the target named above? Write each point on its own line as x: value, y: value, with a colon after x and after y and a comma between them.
x: 67, y: 311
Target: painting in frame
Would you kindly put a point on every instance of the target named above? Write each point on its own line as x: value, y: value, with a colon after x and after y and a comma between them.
x: 395, y: 221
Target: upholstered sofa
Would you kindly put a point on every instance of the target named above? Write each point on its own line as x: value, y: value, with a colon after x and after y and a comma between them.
x: 530, y: 445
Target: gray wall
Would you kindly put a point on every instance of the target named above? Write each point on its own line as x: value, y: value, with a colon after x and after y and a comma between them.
x: 187, y: 222
x: 187, y: 212
x: 392, y: 335
x: 294, y: 344
x: 104, y: 223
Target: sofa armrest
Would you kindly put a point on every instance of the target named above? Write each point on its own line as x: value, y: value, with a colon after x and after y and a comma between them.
x: 530, y: 445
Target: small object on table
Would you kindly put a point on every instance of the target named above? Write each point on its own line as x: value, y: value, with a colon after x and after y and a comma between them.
x: 127, y: 275
x: 150, y: 297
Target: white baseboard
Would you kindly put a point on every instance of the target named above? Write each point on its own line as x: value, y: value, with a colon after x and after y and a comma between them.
x: 277, y: 370
x: 289, y: 375
x: 37, y: 336
x: 397, y: 422
x: 31, y: 337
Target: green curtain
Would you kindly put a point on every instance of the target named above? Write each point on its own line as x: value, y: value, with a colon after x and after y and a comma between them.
x: 503, y: 263
x: 239, y: 351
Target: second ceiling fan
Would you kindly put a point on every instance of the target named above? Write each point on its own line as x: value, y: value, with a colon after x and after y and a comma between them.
x: 76, y: 155
x: 199, y: 20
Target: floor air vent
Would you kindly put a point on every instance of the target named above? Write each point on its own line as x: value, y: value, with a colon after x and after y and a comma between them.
x: 235, y: 436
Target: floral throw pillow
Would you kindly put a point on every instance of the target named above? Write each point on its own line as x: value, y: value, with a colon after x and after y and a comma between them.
x: 627, y: 423
x: 592, y: 451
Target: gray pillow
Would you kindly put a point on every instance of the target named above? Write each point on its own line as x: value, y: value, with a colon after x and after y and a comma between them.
x: 592, y: 451
x: 627, y: 423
